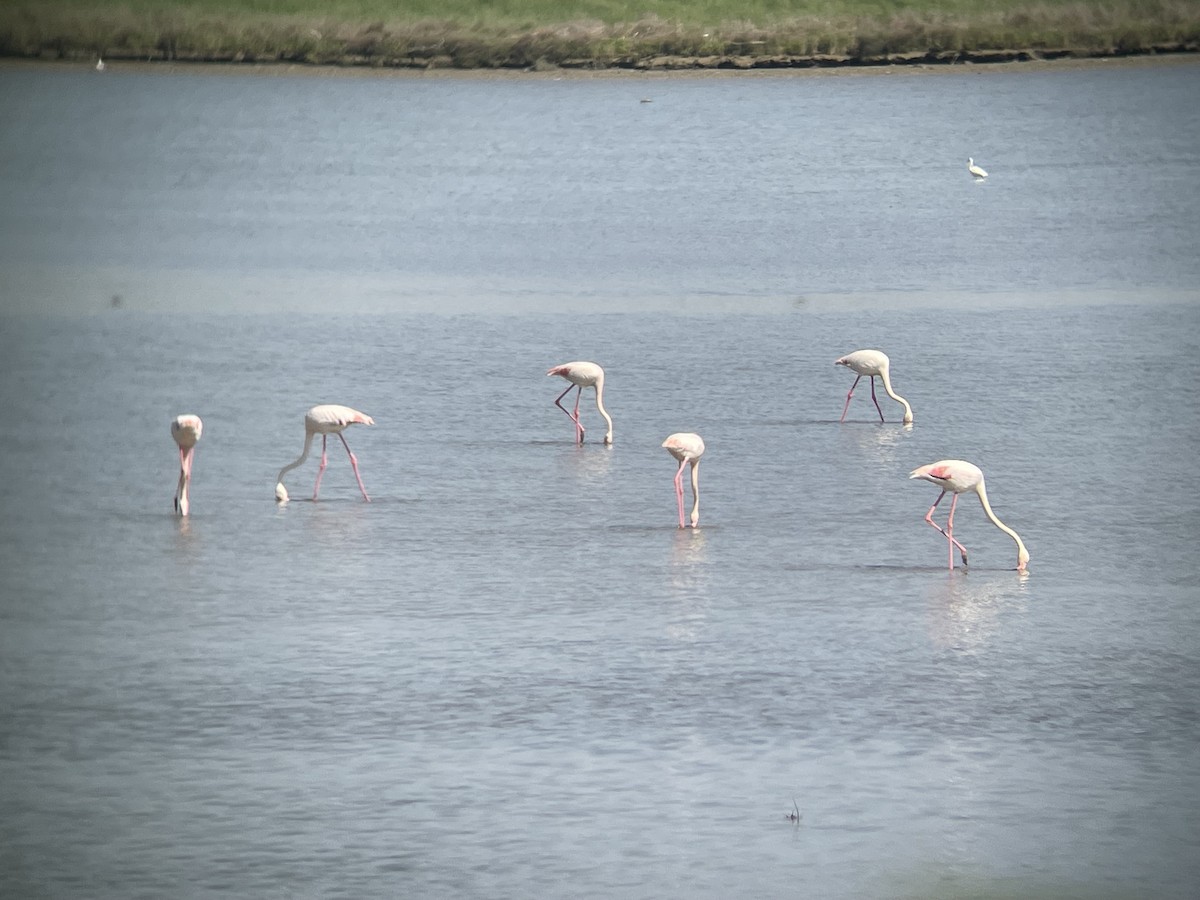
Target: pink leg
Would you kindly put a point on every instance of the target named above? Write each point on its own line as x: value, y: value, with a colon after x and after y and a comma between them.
x: 578, y: 425
x: 574, y: 418
x: 849, y: 395
x: 321, y: 469
x: 949, y: 537
x: 354, y: 465
x: 679, y: 491
x: 950, y: 534
x: 877, y: 402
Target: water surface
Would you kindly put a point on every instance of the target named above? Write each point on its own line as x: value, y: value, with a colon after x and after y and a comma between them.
x: 511, y: 674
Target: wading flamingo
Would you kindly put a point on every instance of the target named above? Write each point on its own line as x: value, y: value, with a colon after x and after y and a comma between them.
x: 186, y: 431
x: 955, y: 476
x: 581, y: 375
x: 325, y: 420
x: 687, y: 448
x: 872, y: 362
x: 974, y: 169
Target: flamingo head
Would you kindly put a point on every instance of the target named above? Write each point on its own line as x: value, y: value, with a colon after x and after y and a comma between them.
x: 281, y: 494
x: 1022, y: 559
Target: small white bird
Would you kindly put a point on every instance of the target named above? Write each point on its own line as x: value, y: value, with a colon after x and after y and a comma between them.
x: 974, y: 169
x: 100, y: 65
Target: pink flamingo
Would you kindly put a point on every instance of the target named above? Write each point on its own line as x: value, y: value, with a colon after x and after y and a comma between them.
x: 186, y: 431
x: 956, y: 476
x: 687, y: 448
x: 872, y: 362
x: 325, y: 420
x: 581, y: 375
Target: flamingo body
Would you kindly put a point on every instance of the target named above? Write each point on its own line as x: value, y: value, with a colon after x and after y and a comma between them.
x: 582, y: 374
x: 186, y: 431
x: 974, y: 169
x: 327, y: 419
x: 872, y: 363
x: 687, y: 448
x: 956, y: 476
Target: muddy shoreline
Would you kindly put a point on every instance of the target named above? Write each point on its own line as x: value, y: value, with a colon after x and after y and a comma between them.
x: 927, y: 61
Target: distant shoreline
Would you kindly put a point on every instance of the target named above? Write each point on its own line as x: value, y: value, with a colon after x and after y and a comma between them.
x: 560, y: 36
x: 675, y: 67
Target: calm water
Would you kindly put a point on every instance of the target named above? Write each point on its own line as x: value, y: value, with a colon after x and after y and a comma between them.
x: 510, y: 674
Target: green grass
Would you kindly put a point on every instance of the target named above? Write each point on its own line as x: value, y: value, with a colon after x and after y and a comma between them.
x: 542, y: 33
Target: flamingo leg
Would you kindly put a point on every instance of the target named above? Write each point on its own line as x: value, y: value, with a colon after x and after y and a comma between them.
x: 950, y: 534
x: 851, y: 394
x: 573, y: 417
x: 949, y: 537
x: 877, y: 402
x: 354, y: 465
x: 578, y: 425
x: 679, y: 490
x: 321, y: 468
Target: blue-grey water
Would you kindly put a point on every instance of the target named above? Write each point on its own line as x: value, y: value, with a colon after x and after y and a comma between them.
x: 511, y: 674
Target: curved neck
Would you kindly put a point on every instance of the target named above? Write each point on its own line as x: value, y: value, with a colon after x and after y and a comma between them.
x: 308, y: 438
x: 603, y: 411
x: 1022, y: 553
x: 887, y: 386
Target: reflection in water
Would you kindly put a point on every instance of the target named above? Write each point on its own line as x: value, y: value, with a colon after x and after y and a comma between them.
x: 339, y: 524
x: 331, y: 523
x: 589, y: 461
x: 966, y: 609
x: 881, y: 441
x: 689, y: 584
x: 688, y: 551
x: 189, y: 547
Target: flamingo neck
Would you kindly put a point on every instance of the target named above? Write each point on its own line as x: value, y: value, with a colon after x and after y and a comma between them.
x: 887, y: 386
x: 308, y: 439
x: 603, y: 411
x: 185, y: 478
x: 695, y: 492
x: 1022, y: 553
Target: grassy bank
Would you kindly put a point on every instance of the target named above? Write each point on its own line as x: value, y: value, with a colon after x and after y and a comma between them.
x: 593, y: 33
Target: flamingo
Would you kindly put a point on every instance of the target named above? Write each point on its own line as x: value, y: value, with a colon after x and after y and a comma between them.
x: 325, y: 420
x: 974, y: 169
x: 956, y: 476
x: 872, y: 362
x: 186, y: 431
x: 581, y: 375
x: 687, y: 448
x: 100, y: 64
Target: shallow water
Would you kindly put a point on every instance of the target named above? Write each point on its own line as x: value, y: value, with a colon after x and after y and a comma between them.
x: 510, y: 674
